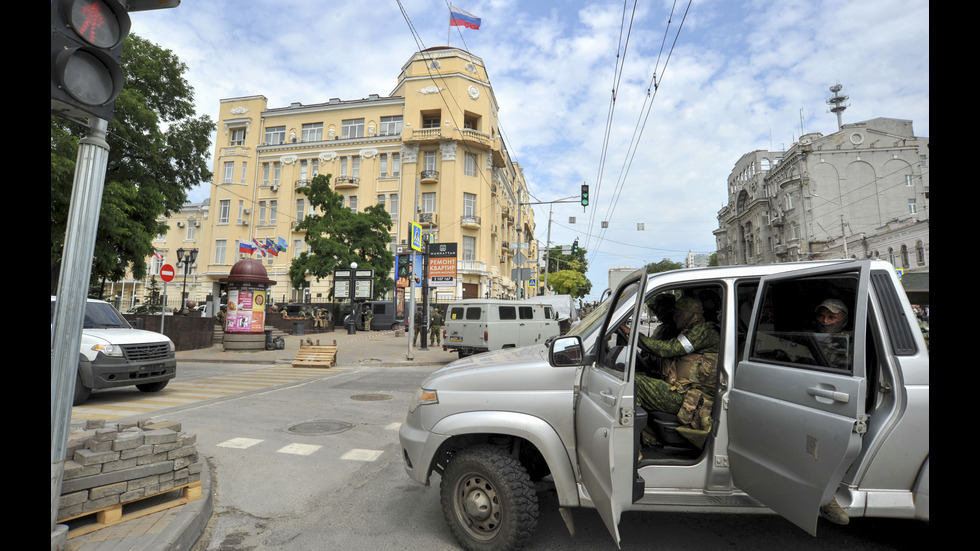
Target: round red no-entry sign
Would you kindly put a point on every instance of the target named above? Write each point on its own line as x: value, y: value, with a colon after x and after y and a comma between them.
x: 167, y: 272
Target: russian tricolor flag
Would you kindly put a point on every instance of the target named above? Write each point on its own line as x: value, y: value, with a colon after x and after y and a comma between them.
x: 460, y: 18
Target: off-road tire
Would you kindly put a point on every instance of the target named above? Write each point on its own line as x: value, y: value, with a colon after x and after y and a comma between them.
x: 488, y: 500
x: 152, y: 387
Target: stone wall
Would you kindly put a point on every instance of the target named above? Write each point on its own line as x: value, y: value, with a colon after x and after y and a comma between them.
x: 187, y: 332
x: 118, y: 463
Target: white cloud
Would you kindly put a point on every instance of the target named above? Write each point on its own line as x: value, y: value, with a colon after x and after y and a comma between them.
x: 736, y: 81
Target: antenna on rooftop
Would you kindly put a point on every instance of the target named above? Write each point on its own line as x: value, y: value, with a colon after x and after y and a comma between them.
x: 837, y: 103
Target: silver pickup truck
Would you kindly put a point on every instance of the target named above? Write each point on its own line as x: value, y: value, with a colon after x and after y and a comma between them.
x: 793, y: 426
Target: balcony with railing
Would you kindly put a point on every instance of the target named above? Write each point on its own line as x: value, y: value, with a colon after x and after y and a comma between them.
x: 469, y: 221
x: 346, y: 182
x: 426, y: 135
x: 430, y: 177
x: 429, y: 218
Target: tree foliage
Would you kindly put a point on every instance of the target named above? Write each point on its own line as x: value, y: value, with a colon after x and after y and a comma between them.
x: 566, y: 273
x: 158, y: 149
x: 664, y: 265
x: 335, y: 237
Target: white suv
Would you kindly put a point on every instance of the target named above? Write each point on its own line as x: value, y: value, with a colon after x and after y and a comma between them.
x: 113, y: 354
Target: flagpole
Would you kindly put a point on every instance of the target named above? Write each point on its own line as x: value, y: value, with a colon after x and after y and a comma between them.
x: 449, y: 29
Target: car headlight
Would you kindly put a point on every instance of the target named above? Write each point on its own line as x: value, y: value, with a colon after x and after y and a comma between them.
x: 423, y: 397
x: 108, y: 349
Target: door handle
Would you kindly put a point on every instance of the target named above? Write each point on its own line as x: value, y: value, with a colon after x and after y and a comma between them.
x: 608, y: 397
x: 829, y: 394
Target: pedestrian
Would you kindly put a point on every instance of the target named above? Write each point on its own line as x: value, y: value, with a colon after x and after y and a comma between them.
x: 435, y: 327
x: 368, y: 316
x: 418, y: 326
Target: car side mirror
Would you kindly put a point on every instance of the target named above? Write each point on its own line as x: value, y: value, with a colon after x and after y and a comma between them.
x: 566, y: 351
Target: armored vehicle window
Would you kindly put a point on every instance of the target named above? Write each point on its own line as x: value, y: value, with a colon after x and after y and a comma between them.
x: 507, y: 312
x: 474, y: 313
x: 456, y: 313
x: 527, y: 312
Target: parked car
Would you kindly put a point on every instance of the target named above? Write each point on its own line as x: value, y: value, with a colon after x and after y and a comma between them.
x: 789, y: 430
x: 113, y: 354
x: 478, y: 325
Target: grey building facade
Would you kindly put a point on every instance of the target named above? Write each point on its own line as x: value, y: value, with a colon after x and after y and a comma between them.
x: 861, y: 192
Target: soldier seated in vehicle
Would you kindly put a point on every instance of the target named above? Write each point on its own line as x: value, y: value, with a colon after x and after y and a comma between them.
x: 690, y: 368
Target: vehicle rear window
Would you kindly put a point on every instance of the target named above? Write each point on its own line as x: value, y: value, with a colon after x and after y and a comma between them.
x: 456, y: 313
x: 474, y: 313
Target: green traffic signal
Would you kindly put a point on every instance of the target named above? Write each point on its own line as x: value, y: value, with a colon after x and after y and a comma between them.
x: 585, y: 195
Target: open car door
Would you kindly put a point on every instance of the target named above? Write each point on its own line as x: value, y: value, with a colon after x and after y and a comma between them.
x: 797, y: 407
x: 604, y: 409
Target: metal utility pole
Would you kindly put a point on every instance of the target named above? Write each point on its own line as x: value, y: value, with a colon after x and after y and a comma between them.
x: 69, y: 312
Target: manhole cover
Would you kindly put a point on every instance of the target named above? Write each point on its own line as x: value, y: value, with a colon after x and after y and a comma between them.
x: 320, y: 427
x: 370, y: 397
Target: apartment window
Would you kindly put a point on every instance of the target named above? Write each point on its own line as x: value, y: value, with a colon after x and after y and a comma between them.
x: 469, y: 165
x: 920, y: 253
x: 353, y: 203
x: 273, y: 206
x: 429, y: 202
x: 220, y: 245
x: 431, y: 120
x: 383, y: 165
x: 241, y: 207
x: 912, y: 207
x: 275, y: 135
x: 244, y: 167
x: 355, y: 166
x: 430, y: 160
x: 191, y: 230
x: 265, y: 174
x: 908, y: 180
x: 381, y: 200
x: 391, y: 125
x: 302, y: 170
x: 313, y: 132
x: 276, y: 172
x: 297, y: 247
x: 352, y: 128
x: 393, y: 206
x: 789, y: 201
x: 238, y: 136
x: 300, y: 205
x: 469, y: 248
x: 469, y: 205
x: 395, y: 164
x: 314, y: 167
x: 343, y: 167
x: 229, y: 172
x: 262, y: 207
x: 224, y: 211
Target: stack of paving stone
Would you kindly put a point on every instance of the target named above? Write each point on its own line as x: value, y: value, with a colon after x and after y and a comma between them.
x: 110, y: 465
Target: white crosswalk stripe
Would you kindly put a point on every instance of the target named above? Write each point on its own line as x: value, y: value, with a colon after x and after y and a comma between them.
x: 182, y: 393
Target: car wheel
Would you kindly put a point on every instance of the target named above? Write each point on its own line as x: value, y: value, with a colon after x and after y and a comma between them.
x: 82, y: 392
x: 152, y: 387
x: 488, y: 500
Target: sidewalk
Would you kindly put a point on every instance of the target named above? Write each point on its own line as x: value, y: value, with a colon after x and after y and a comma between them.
x: 180, y: 527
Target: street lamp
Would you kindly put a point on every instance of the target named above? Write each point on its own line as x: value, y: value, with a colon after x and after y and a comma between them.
x: 352, y: 324
x: 185, y: 257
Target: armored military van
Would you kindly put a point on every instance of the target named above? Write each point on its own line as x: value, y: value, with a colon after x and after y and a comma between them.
x: 478, y: 325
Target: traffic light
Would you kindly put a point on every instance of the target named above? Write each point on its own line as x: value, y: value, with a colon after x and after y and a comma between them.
x: 575, y: 247
x: 86, y: 46
x: 404, y: 266
x: 585, y: 195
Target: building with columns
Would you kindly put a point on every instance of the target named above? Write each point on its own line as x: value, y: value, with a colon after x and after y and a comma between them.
x: 430, y: 152
x: 860, y: 192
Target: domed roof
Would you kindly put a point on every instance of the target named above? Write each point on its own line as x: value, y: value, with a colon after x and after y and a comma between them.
x: 248, y: 270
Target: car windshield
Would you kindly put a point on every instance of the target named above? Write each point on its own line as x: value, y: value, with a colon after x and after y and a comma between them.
x: 99, y: 315
x: 592, y: 322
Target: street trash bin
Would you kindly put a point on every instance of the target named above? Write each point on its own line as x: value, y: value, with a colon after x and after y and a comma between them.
x: 299, y: 328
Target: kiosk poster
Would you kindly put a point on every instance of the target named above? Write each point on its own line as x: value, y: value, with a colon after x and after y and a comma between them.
x: 246, y: 311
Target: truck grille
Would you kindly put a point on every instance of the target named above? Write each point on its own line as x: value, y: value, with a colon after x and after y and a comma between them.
x: 145, y: 352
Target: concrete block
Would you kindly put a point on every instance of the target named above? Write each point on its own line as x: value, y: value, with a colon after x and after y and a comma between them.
x: 96, y: 504
x: 104, y: 434
x: 165, y: 448
x: 102, y: 479
x: 152, y: 459
x: 74, y: 498
x: 120, y: 465
x: 94, y: 423
x: 139, y: 451
x: 182, y: 462
x: 89, y: 457
x: 162, y: 436
x: 74, y: 469
x: 162, y: 425
x: 132, y: 496
x: 96, y: 446
x: 105, y: 491
x: 182, y: 452
x: 127, y: 441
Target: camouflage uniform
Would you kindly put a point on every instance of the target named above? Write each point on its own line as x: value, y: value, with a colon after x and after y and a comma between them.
x: 418, y: 327
x: 368, y: 316
x: 668, y: 395
x: 435, y: 324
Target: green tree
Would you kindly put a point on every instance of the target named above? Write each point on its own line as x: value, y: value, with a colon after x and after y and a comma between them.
x: 664, y: 265
x: 566, y: 273
x: 335, y: 237
x: 158, y: 149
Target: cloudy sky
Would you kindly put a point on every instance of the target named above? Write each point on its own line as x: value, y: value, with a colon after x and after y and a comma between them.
x: 731, y: 77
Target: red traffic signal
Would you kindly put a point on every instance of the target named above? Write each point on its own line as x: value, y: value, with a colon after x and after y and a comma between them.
x: 86, y: 46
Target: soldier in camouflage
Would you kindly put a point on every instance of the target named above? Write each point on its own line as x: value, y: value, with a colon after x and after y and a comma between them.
x: 692, y: 359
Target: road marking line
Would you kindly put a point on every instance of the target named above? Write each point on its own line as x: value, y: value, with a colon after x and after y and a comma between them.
x: 239, y: 443
x: 362, y: 455
x: 299, y: 449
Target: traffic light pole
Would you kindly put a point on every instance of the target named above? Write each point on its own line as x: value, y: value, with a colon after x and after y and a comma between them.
x: 69, y: 312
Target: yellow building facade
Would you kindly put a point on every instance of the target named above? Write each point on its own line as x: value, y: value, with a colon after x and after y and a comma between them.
x: 431, y: 152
